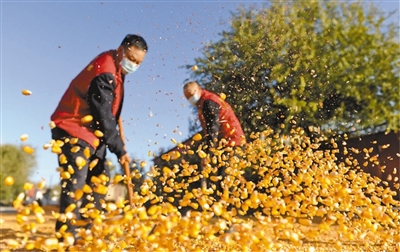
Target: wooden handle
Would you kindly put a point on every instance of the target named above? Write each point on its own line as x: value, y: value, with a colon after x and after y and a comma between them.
x: 126, y: 166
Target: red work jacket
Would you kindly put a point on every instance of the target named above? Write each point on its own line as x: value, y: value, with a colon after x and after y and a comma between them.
x: 230, y: 127
x: 74, y: 106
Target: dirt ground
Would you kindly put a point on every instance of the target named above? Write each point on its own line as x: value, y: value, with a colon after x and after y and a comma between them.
x: 10, y: 229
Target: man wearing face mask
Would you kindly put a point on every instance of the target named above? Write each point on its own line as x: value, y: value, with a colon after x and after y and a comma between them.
x: 217, y: 119
x: 97, y: 91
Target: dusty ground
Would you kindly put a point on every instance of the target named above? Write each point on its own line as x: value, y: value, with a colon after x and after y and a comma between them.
x: 9, y: 229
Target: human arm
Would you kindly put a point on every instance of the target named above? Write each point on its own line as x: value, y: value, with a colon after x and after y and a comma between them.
x: 100, y: 97
x: 211, y: 116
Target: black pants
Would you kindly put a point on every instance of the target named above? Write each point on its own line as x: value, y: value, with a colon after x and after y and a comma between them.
x: 79, y: 177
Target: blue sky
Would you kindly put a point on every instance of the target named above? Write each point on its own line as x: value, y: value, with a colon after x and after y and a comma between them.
x: 45, y: 44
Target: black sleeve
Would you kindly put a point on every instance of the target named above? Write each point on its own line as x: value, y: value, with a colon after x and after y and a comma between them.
x: 211, y: 117
x: 100, y: 98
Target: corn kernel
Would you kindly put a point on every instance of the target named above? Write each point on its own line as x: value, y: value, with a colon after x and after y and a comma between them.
x: 87, y: 119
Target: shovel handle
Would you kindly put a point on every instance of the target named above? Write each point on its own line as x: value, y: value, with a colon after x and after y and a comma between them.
x: 126, y: 166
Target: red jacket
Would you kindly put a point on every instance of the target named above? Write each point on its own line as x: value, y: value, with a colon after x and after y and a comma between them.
x: 229, y: 125
x: 96, y: 91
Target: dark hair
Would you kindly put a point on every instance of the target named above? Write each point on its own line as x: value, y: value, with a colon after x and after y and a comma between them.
x: 135, y: 40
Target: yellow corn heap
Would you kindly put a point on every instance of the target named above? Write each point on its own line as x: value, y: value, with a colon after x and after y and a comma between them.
x: 304, y: 200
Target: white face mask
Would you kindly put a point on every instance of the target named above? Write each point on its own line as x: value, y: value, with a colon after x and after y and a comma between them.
x: 194, y: 99
x: 128, y: 66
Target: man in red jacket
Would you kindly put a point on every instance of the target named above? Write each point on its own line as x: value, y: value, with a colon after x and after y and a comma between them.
x: 217, y: 119
x: 86, y: 125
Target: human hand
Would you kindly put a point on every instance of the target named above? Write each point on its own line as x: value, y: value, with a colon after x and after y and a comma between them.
x: 124, y: 158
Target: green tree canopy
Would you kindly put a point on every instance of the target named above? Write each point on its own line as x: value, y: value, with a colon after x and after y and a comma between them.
x: 333, y: 65
x: 17, y: 164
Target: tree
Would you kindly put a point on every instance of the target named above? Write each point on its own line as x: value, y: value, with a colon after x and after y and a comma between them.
x: 17, y: 164
x: 329, y: 64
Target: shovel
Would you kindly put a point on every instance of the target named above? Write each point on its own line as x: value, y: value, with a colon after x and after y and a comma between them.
x: 126, y: 166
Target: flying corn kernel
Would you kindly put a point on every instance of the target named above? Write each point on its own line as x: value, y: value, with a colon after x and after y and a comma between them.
x: 59, y: 143
x: 222, y: 96
x: 98, y: 133
x: 52, y: 125
x: 96, y: 142
x: 46, y: 146
x: 70, y: 208
x: 65, y: 175
x: 11, y: 243
x: 26, y: 92
x: 30, y: 246
x: 166, y: 157
x: 28, y: 186
x: 9, y: 181
x: 100, y: 189
x: 50, y: 242
x: 117, y: 178
x: 111, y: 207
x: 80, y: 161
x: 154, y: 209
x: 95, y: 180
x: 41, y: 184
x: 75, y: 149
x: 142, y: 164
x: 24, y: 137
x: 168, y: 189
x: 27, y: 149
x: 87, y: 189
x: 40, y: 218
x: 78, y: 194
x: 104, y: 178
x: 74, y: 140
x: 202, y: 154
x: 305, y: 222
x: 175, y: 155
x: 93, y: 163
x: 62, y: 159
x: 87, y: 119
x: 86, y: 152
x: 197, y: 137
x: 142, y: 213
x: 56, y: 149
x: 70, y: 169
